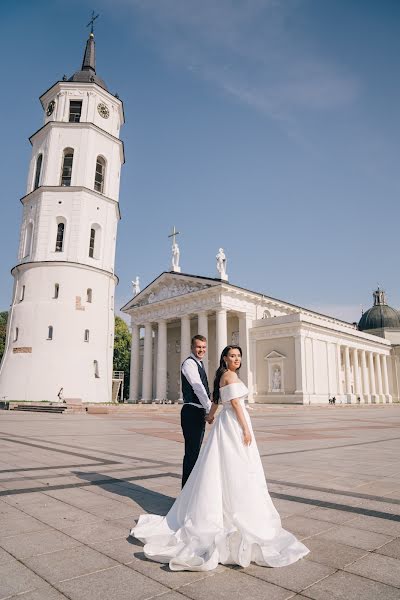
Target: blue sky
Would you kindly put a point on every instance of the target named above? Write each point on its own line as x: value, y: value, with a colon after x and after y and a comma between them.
x: 268, y: 127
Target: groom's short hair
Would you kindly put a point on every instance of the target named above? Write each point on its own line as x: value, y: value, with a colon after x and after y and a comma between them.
x: 199, y: 337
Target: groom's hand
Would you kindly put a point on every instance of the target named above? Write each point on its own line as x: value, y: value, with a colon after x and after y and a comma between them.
x: 209, y: 420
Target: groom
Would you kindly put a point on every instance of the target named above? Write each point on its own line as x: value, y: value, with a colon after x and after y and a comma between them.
x: 196, y: 403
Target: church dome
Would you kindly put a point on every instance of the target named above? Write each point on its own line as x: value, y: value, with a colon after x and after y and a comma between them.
x: 380, y: 316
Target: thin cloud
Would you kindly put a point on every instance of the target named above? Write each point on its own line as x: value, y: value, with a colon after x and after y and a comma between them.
x: 249, y: 50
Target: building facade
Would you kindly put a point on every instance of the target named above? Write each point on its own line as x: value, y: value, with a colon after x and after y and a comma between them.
x: 61, y: 322
x: 290, y: 354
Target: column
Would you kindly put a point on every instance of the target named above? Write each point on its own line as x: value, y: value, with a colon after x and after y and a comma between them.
x: 364, y: 375
x: 379, y: 375
x: 202, y: 329
x: 339, y: 369
x: 300, y: 359
x: 245, y: 322
x: 161, y: 385
x: 221, y: 332
x: 185, y: 337
x: 347, y: 370
x: 357, y: 380
x: 134, y: 372
x: 147, y: 387
x: 372, y: 376
x: 385, y: 377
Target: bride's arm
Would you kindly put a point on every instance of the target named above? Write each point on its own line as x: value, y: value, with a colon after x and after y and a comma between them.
x: 211, y: 414
x: 237, y: 407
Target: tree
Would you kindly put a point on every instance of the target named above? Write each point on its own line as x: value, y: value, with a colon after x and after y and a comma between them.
x: 122, y: 351
x: 3, y: 331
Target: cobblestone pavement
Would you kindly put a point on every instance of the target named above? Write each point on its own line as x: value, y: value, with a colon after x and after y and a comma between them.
x: 71, y: 486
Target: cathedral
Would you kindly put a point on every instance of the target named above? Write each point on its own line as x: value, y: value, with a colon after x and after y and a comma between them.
x: 60, y: 333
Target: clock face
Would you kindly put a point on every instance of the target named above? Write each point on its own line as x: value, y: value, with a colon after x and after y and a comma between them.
x: 103, y: 110
x: 50, y: 108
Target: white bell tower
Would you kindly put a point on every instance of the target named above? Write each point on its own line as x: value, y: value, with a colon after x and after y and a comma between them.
x: 61, y: 321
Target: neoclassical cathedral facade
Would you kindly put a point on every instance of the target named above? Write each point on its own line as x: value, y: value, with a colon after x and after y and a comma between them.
x: 291, y: 355
x: 61, y: 322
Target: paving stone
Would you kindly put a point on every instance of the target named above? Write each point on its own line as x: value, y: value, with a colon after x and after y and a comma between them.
x: 302, y: 526
x: 378, y: 567
x: 346, y: 586
x: 44, y: 593
x: 327, y: 552
x: 331, y: 515
x: 16, y: 578
x: 295, y: 577
x: 391, y: 549
x: 235, y: 585
x: 385, y: 526
x: 5, y: 556
x: 19, y: 523
x: 118, y: 583
x: 66, y: 564
x: 358, y: 538
x: 100, y: 530
x: 40, y: 542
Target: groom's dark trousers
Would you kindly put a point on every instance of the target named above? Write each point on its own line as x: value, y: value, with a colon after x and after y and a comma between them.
x: 193, y: 417
x: 193, y: 427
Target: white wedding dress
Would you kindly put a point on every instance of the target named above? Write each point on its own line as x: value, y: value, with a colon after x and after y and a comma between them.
x: 224, y: 514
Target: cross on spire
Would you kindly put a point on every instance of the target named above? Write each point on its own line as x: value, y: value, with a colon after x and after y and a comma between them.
x: 91, y: 22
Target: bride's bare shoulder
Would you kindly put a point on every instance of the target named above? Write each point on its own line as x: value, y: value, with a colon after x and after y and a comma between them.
x: 228, y: 377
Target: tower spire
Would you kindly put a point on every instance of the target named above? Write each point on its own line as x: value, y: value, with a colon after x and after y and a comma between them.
x: 89, y: 58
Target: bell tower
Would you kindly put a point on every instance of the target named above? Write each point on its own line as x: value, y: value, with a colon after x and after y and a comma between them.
x: 61, y: 320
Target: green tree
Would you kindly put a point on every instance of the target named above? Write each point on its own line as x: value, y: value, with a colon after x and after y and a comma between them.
x: 3, y: 331
x: 122, y: 351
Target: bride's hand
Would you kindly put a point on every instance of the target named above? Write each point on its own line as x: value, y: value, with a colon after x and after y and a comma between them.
x: 247, y: 439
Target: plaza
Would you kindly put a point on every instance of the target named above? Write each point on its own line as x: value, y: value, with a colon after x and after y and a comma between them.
x: 72, y: 486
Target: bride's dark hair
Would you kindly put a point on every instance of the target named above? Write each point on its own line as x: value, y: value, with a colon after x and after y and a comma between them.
x: 222, y: 369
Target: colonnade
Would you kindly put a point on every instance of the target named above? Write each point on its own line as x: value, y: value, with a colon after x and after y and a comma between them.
x: 370, y: 373
x: 145, y: 394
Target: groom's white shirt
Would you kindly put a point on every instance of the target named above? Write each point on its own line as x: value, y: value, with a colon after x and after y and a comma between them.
x: 191, y: 372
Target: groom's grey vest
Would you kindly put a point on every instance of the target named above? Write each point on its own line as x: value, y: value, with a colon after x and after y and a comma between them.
x: 187, y: 390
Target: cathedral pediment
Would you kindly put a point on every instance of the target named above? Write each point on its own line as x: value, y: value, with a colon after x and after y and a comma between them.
x: 170, y: 285
x: 274, y: 355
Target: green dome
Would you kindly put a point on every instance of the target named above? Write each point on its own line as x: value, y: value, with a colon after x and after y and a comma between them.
x: 380, y: 316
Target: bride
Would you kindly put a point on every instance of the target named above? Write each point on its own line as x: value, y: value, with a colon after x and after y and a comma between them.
x: 224, y: 513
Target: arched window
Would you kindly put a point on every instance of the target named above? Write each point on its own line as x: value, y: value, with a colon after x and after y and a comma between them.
x: 50, y: 332
x: 86, y: 338
x: 94, y: 241
x: 66, y: 172
x: 28, y: 239
x: 16, y: 334
x: 96, y: 369
x: 60, y: 237
x: 100, y: 174
x: 38, y: 171
x: 89, y: 295
x: 22, y: 295
x: 56, y: 290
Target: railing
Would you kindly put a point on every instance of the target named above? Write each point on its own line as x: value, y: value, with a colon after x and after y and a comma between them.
x: 118, y: 375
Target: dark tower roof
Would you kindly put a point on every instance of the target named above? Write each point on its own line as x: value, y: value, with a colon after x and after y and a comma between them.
x: 87, y: 74
x: 380, y: 316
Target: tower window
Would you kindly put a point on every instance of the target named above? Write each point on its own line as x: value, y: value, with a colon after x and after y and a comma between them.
x: 22, y: 296
x: 16, y: 334
x: 75, y: 109
x: 28, y: 239
x: 56, y: 290
x: 60, y: 237
x: 39, y: 161
x: 50, y: 332
x: 86, y: 338
x: 92, y: 242
x: 89, y: 295
x: 96, y: 369
x: 66, y: 173
x: 100, y: 174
